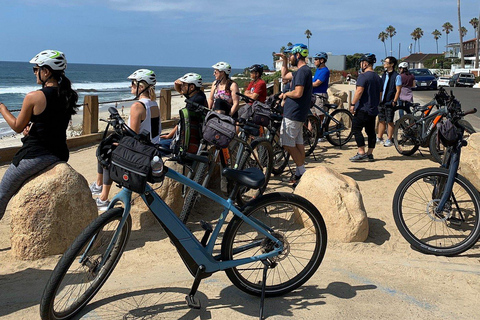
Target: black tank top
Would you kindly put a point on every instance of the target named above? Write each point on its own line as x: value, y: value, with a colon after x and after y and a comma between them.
x: 47, y: 133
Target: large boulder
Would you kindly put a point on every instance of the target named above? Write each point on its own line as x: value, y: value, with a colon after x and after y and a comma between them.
x: 169, y: 190
x: 470, y: 161
x: 342, y: 95
x: 49, y: 211
x: 340, y: 202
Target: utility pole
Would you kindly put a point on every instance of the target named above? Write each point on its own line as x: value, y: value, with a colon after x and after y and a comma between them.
x: 399, y: 46
x: 477, y: 47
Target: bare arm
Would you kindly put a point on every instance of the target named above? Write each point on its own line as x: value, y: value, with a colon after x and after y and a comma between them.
x: 210, y: 97
x: 286, y: 75
x: 317, y: 83
x: 294, y: 94
x: 34, y: 100
x: 236, y: 100
x: 397, y: 94
x: 137, y: 114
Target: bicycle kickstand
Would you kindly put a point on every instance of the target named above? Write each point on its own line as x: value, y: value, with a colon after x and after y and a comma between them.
x: 191, y: 301
x: 266, y: 265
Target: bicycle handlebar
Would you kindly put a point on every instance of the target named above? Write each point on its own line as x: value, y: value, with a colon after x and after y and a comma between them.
x: 471, y: 111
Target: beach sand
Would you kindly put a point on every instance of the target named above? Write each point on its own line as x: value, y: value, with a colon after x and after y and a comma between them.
x: 381, y: 278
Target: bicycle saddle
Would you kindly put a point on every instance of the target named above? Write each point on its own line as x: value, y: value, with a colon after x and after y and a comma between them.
x: 251, y: 177
x: 330, y: 105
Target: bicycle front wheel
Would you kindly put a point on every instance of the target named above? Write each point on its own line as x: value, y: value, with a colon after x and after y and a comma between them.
x: 296, y: 223
x: 340, y: 127
x: 310, y: 134
x: 404, y: 135
x: 84, y: 268
x: 260, y: 157
x: 450, y: 232
x: 193, y: 195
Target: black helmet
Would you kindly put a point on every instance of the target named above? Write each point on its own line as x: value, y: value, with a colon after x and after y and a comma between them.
x: 369, y: 57
x: 256, y: 68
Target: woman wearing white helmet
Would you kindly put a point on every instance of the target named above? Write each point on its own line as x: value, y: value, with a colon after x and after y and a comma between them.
x: 144, y: 118
x: 408, y: 82
x: 44, y: 119
x: 223, y: 96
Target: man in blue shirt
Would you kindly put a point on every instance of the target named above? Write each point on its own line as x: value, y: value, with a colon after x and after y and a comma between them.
x: 296, y: 107
x: 392, y: 85
x: 365, y: 107
x: 320, y: 83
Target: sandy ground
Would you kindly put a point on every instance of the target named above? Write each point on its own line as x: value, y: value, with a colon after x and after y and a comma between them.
x: 381, y: 278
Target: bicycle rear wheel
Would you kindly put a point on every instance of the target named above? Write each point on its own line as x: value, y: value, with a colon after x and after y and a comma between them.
x: 450, y: 232
x: 77, y: 277
x: 341, y: 132
x: 293, y: 220
x: 404, y: 135
x: 261, y: 157
x: 310, y: 134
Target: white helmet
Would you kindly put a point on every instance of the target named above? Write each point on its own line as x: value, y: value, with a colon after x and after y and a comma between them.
x: 222, y: 66
x: 403, y: 65
x: 144, y: 75
x: 193, y: 78
x: 52, y: 58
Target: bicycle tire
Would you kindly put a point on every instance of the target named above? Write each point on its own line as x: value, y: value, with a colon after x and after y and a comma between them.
x: 280, y: 156
x: 264, y: 152
x: 449, y: 233
x: 437, y: 150
x: 66, y: 283
x: 294, y: 220
x: 345, y: 133
x: 310, y: 137
x: 405, y: 139
x: 193, y: 195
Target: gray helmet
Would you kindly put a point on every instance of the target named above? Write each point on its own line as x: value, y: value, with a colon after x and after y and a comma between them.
x: 321, y: 55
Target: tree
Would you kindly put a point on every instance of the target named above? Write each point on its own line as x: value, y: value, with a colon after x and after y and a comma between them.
x: 289, y: 44
x: 447, y: 28
x: 462, y: 55
x: 419, y: 33
x: 308, y: 33
x: 415, y: 38
x: 382, y: 36
x: 353, y: 61
x: 391, y: 32
x: 475, y: 23
x: 464, y: 31
x: 436, y: 35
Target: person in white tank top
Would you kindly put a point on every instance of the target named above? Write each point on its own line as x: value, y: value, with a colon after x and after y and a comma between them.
x: 144, y: 116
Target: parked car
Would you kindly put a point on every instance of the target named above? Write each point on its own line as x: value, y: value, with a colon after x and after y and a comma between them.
x: 424, y: 79
x: 462, y: 80
x: 443, y: 82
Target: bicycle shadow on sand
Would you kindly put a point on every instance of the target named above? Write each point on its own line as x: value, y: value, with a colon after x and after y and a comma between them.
x: 162, y: 303
x: 363, y: 174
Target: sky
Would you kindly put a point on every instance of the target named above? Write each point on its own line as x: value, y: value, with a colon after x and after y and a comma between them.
x: 199, y: 33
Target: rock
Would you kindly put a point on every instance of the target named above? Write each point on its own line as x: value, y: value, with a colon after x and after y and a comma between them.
x: 337, y: 101
x: 170, y: 191
x: 337, y: 93
x: 49, y: 211
x: 340, y: 202
x: 470, y: 161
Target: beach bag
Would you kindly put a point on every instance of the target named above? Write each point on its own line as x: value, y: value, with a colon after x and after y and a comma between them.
x: 131, y: 164
x: 261, y: 114
x: 189, y: 132
x: 218, y: 129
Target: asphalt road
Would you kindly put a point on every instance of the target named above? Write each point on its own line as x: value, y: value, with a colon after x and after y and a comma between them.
x: 468, y: 97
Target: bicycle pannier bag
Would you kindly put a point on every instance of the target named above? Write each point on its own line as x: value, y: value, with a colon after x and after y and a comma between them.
x: 261, y: 114
x: 189, y: 132
x: 218, y: 129
x: 131, y: 164
x: 447, y: 133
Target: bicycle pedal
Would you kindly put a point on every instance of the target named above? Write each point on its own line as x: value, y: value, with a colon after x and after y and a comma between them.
x: 456, y: 222
x: 192, y: 302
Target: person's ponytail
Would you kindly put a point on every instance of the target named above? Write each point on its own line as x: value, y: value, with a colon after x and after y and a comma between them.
x: 66, y: 93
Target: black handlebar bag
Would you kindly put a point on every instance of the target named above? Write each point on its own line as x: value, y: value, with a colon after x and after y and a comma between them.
x: 131, y: 164
x: 218, y: 129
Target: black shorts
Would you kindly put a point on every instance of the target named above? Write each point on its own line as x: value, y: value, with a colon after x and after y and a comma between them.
x: 385, y: 113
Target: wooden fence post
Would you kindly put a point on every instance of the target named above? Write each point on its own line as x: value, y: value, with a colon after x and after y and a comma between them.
x: 165, y: 104
x: 90, y: 114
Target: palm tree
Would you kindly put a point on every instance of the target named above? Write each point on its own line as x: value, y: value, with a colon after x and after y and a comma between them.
x: 447, y: 27
x: 436, y: 35
x: 415, y: 38
x: 462, y: 56
x: 391, y: 32
x: 419, y: 32
x: 464, y: 31
x: 308, y: 33
x: 382, y: 36
x: 289, y: 44
x: 474, y: 22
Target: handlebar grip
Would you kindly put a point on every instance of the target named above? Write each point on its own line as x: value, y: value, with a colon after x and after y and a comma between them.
x: 245, y: 97
x: 474, y: 110
x: 195, y: 104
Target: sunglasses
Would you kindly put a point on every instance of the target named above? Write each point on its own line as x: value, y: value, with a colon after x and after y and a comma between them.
x: 35, y: 69
x: 134, y: 83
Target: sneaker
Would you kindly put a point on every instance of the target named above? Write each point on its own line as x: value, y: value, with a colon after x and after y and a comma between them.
x: 102, y: 205
x: 379, y: 141
x: 359, y: 157
x: 292, y: 179
x: 388, y: 143
x: 370, y: 158
x: 321, y: 140
x: 96, y: 189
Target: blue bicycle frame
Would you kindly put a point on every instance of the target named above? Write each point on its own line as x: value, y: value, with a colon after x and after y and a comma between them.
x: 190, y: 249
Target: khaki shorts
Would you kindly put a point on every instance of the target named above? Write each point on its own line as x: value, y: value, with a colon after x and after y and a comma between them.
x: 291, y: 133
x: 319, y: 102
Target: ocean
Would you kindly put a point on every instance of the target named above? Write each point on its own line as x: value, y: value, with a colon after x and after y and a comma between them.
x: 108, y: 82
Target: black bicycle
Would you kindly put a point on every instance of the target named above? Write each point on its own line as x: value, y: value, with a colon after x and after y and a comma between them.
x: 436, y: 209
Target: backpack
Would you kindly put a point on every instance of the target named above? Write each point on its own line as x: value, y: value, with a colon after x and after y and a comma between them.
x: 189, y: 132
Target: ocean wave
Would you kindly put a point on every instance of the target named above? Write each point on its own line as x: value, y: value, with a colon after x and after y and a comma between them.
x: 80, y: 87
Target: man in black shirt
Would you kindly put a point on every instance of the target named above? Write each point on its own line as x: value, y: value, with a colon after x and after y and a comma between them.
x: 296, y: 107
